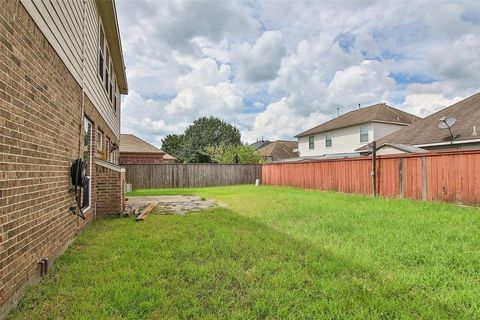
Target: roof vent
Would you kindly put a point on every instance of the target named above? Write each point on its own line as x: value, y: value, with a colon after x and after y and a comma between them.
x: 474, y: 133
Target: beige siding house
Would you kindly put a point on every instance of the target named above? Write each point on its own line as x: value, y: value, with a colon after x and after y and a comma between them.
x: 61, y: 77
x: 350, y: 131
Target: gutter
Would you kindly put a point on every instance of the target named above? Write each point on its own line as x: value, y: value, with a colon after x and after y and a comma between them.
x: 446, y: 143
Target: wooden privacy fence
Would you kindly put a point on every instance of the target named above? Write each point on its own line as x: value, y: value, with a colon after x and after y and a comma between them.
x: 447, y: 176
x: 144, y: 176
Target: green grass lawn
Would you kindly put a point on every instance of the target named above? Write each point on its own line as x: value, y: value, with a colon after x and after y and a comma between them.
x: 272, y: 253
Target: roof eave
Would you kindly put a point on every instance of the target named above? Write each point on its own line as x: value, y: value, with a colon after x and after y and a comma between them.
x: 141, y: 153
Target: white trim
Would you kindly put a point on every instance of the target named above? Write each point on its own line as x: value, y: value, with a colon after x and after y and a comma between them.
x: 109, y: 165
x: 446, y: 143
x: 90, y: 164
x: 391, y: 122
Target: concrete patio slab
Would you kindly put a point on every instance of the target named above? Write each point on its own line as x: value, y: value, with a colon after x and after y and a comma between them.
x: 174, y: 204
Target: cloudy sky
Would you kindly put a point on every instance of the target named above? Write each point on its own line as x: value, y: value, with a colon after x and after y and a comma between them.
x: 275, y: 69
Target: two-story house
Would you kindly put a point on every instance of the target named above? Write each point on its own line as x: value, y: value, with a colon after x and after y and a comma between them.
x: 426, y: 135
x: 352, y: 130
x: 61, y: 77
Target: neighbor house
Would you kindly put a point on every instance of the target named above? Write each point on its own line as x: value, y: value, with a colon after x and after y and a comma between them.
x: 259, y: 143
x: 352, y: 130
x: 134, y: 150
x: 61, y: 77
x: 279, y: 150
x: 425, y: 134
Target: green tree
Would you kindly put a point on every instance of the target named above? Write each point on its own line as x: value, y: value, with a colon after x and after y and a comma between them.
x: 172, y: 144
x: 227, y: 154
x: 206, y: 132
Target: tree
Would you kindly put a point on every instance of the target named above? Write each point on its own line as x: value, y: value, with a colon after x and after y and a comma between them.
x: 206, y: 132
x: 227, y: 154
x: 172, y: 144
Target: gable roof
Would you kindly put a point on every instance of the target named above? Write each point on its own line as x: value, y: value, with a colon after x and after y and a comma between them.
x: 426, y: 131
x: 166, y: 156
x: 376, y: 113
x: 261, y: 143
x: 130, y: 143
x: 279, y: 149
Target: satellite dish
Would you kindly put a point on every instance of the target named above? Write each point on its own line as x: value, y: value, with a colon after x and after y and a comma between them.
x: 446, y: 123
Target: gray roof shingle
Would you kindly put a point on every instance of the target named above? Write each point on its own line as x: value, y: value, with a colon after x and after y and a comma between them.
x: 376, y: 113
x: 130, y: 143
x: 426, y: 131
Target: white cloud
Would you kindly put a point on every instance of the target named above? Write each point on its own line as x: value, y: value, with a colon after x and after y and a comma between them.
x: 280, y: 121
x: 261, y: 61
x: 423, y: 104
x: 292, y: 63
x: 206, y: 90
x: 365, y: 83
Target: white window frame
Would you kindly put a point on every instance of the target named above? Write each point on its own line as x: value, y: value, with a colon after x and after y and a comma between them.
x: 311, y: 144
x: 328, y: 137
x: 100, y: 143
x: 90, y: 163
x: 365, y: 128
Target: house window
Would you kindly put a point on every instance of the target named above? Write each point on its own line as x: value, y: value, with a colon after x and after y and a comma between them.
x: 87, y: 156
x: 328, y: 140
x: 101, y: 54
x: 311, y: 142
x: 105, y: 68
x: 364, y: 133
x: 107, y: 149
x: 100, y: 141
x: 115, y: 101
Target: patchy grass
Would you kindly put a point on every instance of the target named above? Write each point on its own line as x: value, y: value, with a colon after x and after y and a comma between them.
x: 273, y: 253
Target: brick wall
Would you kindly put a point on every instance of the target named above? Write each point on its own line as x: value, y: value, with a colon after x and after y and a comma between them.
x: 40, y: 119
x: 141, y: 159
x: 110, y: 188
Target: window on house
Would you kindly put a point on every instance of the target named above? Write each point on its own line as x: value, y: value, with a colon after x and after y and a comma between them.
x: 101, y: 55
x: 107, y: 148
x: 311, y: 142
x: 364, y: 133
x: 87, y: 156
x: 100, y: 141
x: 105, y: 68
x: 115, y: 101
x: 328, y: 139
x: 110, y: 90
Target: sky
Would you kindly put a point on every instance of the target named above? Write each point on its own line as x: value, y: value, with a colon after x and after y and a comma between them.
x: 277, y: 68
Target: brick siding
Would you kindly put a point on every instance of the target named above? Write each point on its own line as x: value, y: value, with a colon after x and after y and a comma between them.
x: 110, y: 188
x: 40, y: 123
x: 141, y: 159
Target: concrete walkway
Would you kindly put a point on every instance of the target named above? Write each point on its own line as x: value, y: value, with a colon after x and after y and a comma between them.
x: 172, y: 204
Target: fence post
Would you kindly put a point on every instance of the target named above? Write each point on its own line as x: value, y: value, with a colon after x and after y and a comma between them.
x: 374, y: 168
x: 400, y: 176
x: 424, y: 178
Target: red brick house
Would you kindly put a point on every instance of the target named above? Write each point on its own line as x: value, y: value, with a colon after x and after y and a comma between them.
x: 61, y: 77
x: 134, y: 150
